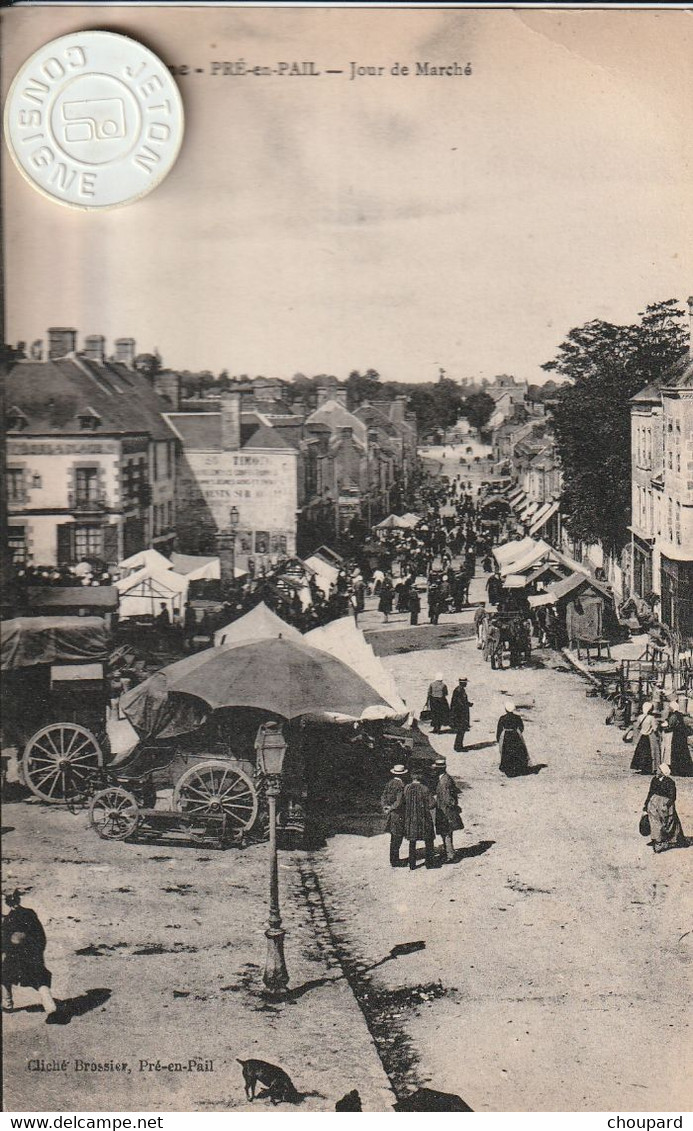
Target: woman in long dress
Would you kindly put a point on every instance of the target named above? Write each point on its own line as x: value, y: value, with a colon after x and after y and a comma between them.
x: 647, y: 754
x: 676, y: 753
x: 514, y: 757
x: 660, y: 806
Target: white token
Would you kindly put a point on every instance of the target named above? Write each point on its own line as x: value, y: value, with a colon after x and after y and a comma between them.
x: 94, y: 120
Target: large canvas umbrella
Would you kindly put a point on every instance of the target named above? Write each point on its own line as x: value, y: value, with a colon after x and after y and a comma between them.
x: 285, y: 677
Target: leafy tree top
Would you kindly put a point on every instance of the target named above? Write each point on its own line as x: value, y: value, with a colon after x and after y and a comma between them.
x: 607, y: 365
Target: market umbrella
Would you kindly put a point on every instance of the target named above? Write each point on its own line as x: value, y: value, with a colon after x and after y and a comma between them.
x: 285, y: 677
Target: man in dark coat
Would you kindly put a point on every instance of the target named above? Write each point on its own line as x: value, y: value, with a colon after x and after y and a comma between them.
x: 447, y: 809
x: 494, y: 588
x: 392, y: 804
x: 419, y: 804
x: 459, y: 713
x: 23, y: 944
x: 414, y: 606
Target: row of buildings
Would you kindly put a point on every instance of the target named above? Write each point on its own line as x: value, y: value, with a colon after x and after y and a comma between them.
x: 658, y: 563
x: 103, y: 461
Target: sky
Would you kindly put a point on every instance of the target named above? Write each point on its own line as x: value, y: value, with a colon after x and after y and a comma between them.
x: 396, y: 222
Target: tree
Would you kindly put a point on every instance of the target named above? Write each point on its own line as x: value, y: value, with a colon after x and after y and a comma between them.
x: 148, y: 363
x: 478, y: 409
x: 607, y: 365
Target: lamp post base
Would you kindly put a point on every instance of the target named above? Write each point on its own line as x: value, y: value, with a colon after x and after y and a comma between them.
x: 276, y: 976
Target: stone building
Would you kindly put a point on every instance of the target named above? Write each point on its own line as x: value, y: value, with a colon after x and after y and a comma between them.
x: 90, y: 461
x: 662, y: 494
x: 230, y: 460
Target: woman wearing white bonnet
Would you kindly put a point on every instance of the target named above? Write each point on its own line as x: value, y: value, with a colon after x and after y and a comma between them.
x: 647, y: 753
x: 660, y: 806
x: 675, y: 747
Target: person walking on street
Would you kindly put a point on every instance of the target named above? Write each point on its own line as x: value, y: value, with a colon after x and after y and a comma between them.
x: 437, y: 703
x: 660, y: 806
x: 646, y: 756
x: 23, y: 946
x: 414, y: 605
x: 677, y: 755
x: 514, y: 758
x: 419, y: 804
x: 459, y: 713
x: 386, y: 598
x: 392, y: 804
x: 448, y: 817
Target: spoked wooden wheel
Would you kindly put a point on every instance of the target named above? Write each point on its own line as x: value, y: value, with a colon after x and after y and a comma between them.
x: 114, y: 813
x: 59, y: 761
x: 211, y: 788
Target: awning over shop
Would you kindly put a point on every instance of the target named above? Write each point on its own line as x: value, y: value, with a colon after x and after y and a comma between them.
x: 527, y: 511
x: 543, y: 517
x: 260, y: 623
x: 533, y: 555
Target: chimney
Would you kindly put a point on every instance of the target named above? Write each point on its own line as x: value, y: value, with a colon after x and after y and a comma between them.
x: 346, y: 433
x: 230, y: 421
x: 324, y: 394
x: 125, y: 351
x: 95, y: 348
x: 372, y: 436
x: 167, y: 385
x: 36, y: 351
x: 339, y: 394
x: 61, y: 342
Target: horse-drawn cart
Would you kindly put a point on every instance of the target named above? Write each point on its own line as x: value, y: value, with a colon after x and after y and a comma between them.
x: 55, y: 699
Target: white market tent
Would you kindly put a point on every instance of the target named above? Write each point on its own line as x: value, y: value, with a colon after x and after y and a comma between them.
x: 511, y: 551
x: 397, y: 522
x: 260, y: 623
x: 143, y: 593
x: 541, y: 551
x: 145, y: 559
x: 325, y: 572
x: 343, y: 640
x: 196, y: 568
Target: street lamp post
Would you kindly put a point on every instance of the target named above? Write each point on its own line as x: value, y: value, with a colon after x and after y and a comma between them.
x: 271, y: 749
x: 233, y: 527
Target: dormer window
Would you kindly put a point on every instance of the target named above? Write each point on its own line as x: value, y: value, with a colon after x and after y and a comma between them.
x: 89, y: 420
x: 16, y: 420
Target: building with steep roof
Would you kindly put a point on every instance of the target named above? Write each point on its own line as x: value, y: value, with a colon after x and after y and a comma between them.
x: 90, y: 460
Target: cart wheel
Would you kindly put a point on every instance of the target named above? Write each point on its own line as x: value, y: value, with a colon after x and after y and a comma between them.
x: 215, y: 787
x: 114, y: 813
x: 59, y: 760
